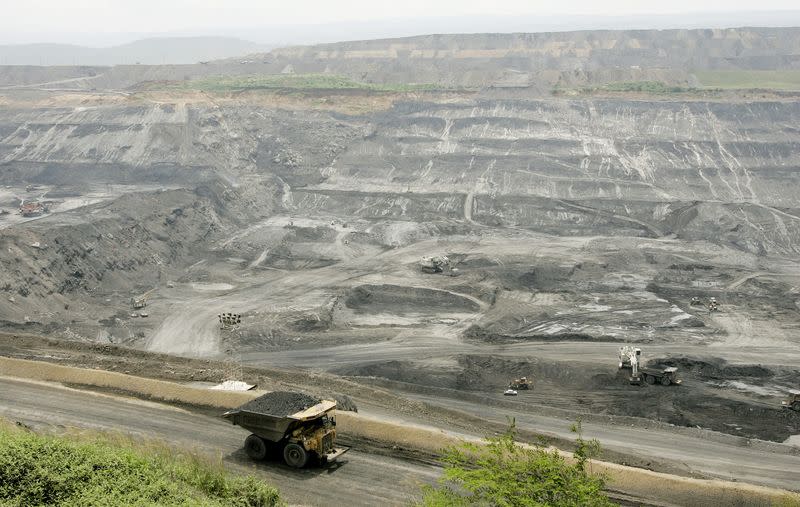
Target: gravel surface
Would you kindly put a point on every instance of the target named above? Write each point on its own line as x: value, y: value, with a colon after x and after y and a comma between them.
x: 280, y: 403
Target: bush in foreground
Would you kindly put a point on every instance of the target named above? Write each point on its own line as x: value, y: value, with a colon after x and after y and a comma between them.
x: 50, y: 470
x: 504, y: 474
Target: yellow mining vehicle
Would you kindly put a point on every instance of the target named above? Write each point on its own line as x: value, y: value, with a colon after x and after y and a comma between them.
x: 297, y: 426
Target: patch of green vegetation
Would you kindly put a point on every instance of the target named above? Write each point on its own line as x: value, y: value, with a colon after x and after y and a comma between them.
x: 296, y: 82
x: 649, y: 87
x: 504, y: 474
x: 69, y: 471
x: 645, y: 87
x: 750, y: 79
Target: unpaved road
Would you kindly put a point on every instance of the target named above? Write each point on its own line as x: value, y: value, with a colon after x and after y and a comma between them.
x: 359, y: 479
x: 731, y: 459
x: 702, y: 452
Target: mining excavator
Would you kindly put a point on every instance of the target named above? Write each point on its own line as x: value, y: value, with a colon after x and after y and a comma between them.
x: 630, y: 357
x: 32, y: 209
x: 522, y: 383
x: 435, y: 264
x: 141, y: 301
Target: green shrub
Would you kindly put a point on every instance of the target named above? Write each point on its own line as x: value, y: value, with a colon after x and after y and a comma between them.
x: 50, y: 470
x: 504, y: 474
x: 648, y: 87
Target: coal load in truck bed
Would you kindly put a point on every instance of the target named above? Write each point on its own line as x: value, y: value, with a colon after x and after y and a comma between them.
x: 280, y: 403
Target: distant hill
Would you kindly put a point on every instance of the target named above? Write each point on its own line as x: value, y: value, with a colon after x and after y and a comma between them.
x: 153, y: 51
x: 562, y: 59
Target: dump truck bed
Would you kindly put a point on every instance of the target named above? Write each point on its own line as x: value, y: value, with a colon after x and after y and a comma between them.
x: 270, y: 415
x: 299, y: 423
x: 280, y: 404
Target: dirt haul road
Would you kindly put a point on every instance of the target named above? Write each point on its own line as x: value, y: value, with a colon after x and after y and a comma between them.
x: 702, y: 454
x: 358, y: 479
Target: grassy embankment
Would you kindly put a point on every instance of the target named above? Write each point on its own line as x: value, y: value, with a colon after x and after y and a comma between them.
x: 645, y: 87
x: 785, y: 80
x: 710, y: 81
x: 296, y: 82
x: 103, y: 469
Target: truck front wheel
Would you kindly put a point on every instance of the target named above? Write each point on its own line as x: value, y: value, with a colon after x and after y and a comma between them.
x: 294, y: 455
x: 255, y: 447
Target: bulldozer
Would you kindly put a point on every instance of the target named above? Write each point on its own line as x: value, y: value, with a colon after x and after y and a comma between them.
x: 792, y: 402
x: 522, y: 383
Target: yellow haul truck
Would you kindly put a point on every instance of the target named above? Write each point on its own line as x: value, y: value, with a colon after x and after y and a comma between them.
x: 298, y: 426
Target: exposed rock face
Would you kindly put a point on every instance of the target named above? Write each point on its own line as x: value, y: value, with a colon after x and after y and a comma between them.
x: 725, y: 170
x: 540, y: 60
x: 260, y: 186
x: 568, y: 58
x: 151, y: 142
x: 572, y: 167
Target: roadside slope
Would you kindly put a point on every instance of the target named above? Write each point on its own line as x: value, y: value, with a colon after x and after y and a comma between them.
x: 643, y: 484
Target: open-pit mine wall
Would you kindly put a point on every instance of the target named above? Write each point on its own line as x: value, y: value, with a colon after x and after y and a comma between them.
x: 721, y: 171
x: 55, y: 269
x: 581, y: 167
x: 562, y: 58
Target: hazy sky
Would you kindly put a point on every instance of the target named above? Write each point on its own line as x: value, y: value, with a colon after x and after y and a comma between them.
x: 51, y: 20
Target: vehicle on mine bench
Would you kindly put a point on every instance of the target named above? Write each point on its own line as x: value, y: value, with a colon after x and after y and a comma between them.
x: 435, y: 264
x: 792, y: 402
x: 510, y: 392
x: 664, y: 376
x: 521, y: 383
x: 141, y: 301
x: 300, y: 436
x: 630, y: 357
x: 32, y: 209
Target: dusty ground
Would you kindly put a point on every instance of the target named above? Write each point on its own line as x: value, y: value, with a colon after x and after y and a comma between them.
x: 700, y: 453
x: 359, y: 479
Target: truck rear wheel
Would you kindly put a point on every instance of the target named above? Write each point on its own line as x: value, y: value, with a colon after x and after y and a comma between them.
x: 294, y: 455
x: 255, y: 447
x: 650, y: 379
